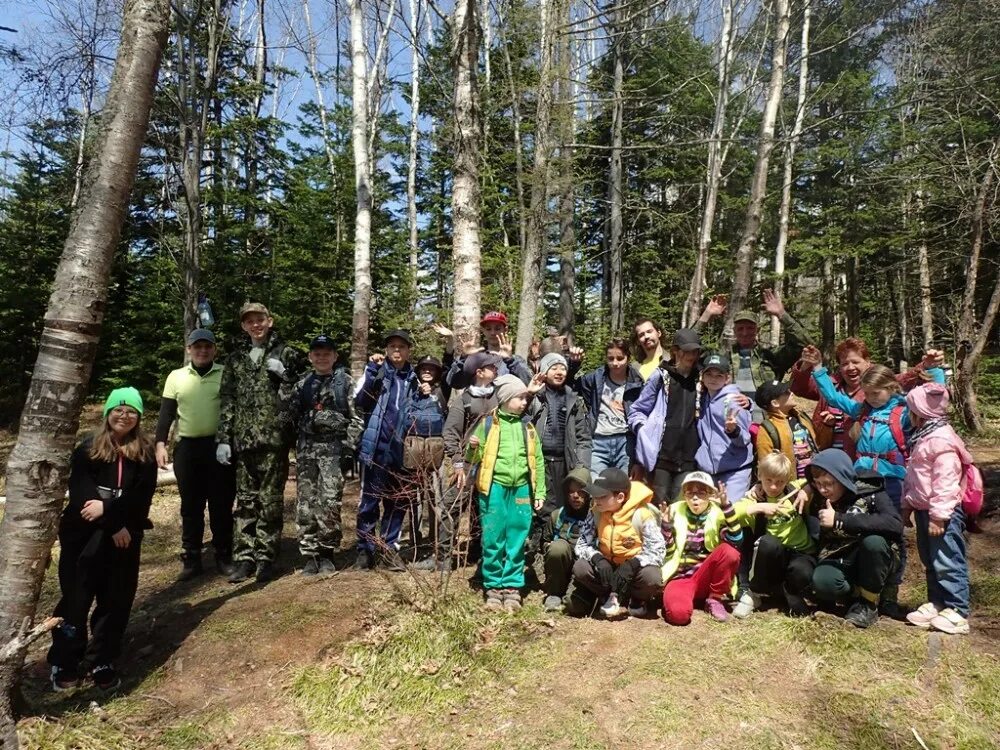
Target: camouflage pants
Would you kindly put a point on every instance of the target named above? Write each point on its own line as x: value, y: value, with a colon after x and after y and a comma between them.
x: 320, y: 487
x: 258, y: 519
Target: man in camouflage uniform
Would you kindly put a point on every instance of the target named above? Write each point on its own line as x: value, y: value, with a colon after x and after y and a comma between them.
x: 250, y: 433
x: 319, y: 408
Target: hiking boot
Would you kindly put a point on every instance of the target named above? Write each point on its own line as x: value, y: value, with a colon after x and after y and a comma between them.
x: 223, y: 564
x: 579, y: 604
x: 638, y: 609
x: 797, y: 606
x: 266, y: 572
x: 327, y: 566
x: 950, y: 622
x: 923, y: 615
x: 64, y: 678
x: 311, y: 568
x: 611, y: 609
x: 511, y: 600
x: 494, y: 600
x: 889, y: 605
x: 242, y: 571
x: 364, y: 560
x: 105, y: 677
x: 552, y: 603
x: 191, y: 567
x: 862, y: 614
x: 716, y: 609
x: 746, y: 604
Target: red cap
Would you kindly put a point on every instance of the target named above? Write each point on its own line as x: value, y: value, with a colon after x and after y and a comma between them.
x: 494, y: 317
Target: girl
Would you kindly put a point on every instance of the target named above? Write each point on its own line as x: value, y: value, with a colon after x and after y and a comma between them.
x: 608, y: 393
x: 725, y: 451
x: 932, y: 500
x: 111, y: 484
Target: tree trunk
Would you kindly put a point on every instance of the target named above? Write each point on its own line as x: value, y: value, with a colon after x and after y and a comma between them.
x: 828, y: 313
x: 924, y: 268
x: 616, y: 178
x: 38, y: 468
x: 713, y: 170
x: 411, y: 170
x: 785, y: 211
x: 515, y: 110
x: 363, y: 217
x: 567, y: 196
x: 311, y: 59
x: 465, y: 197
x: 758, y: 187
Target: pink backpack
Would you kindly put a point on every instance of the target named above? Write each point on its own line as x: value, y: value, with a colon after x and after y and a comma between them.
x: 972, y: 493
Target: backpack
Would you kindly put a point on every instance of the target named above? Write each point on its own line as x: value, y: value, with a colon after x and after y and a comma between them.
x: 972, y: 494
x: 901, y: 454
x: 307, y: 396
x: 772, y: 432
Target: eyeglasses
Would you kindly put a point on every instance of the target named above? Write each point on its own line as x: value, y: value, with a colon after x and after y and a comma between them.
x: 123, y: 412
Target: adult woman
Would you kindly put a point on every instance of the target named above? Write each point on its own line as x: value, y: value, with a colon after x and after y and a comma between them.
x: 111, y: 484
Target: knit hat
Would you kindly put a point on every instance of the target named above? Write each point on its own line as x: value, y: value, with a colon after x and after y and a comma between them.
x: 127, y: 396
x: 930, y: 400
x: 551, y: 360
x: 506, y: 387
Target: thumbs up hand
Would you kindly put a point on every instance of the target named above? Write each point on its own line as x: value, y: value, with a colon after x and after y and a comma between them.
x: 827, y: 516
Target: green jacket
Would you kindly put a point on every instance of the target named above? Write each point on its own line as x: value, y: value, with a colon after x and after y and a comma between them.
x: 503, y: 454
x: 768, y: 364
x: 249, y: 396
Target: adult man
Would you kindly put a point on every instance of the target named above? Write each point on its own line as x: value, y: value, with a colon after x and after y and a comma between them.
x: 250, y: 432
x: 383, y: 397
x: 495, y: 335
x: 754, y: 364
x: 191, y: 396
x: 647, y: 335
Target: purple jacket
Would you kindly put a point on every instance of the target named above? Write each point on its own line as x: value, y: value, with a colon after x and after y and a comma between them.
x: 646, y: 419
x: 719, y: 451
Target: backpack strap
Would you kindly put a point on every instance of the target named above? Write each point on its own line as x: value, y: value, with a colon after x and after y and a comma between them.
x: 772, y: 432
x: 307, y: 396
x: 901, y: 454
x: 340, y: 390
x: 896, y: 427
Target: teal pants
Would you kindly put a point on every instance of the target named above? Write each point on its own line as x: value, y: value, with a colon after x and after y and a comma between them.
x: 505, y: 515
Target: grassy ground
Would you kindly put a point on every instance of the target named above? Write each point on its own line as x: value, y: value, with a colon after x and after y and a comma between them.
x: 391, y: 661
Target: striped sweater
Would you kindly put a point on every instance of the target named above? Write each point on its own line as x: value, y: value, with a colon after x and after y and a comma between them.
x: 690, y: 538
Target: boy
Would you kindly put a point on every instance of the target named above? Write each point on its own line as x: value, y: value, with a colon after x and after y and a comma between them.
x: 510, y: 483
x: 497, y: 341
x: 860, y: 535
x: 783, y: 557
x: 319, y: 409
x: 785, y: 428
x: 620, y: 550
x: 559, y: 536
x: 725, y: 450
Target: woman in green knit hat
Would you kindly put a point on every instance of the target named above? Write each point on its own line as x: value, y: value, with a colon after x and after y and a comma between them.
x: 111, y: 484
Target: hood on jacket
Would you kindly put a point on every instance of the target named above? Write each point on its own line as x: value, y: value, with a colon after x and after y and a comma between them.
x: 727, y: 390
x: 834, y: 461
x: 580, y: 474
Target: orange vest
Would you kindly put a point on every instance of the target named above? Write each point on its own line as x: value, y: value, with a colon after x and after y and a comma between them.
x: 618, y: 538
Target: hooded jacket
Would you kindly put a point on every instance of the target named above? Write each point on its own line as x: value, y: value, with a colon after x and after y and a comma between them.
x: 384, y: 395
x: 578, y: 427
x: 934, y: 473
x: 718, y: 451
x: 631, y: 532
x: 864, y: 508
x: 646, y: 419
x: 565, y: 523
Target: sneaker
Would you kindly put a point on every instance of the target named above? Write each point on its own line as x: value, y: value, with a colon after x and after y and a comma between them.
x: 716, y: 609
x: 746, y: 604
x: 862, y: 614
x: 242, y: 571
x: 511, y: 600
x: 579, y: 604
x: 638, y: 609
x: 364, y: 560
x: 552, y: 603
x: 797, y: 606
x: 105, y: 677
x: 266, y: 572
x: 311, y: 568
x: 611, y: 609
x: 191, y: 567
x: 224, y: 565
x: 950, y: 622
x: 64, y: 678
x: 494, y: 600
x: 326, y: 566
x: 923, y: 615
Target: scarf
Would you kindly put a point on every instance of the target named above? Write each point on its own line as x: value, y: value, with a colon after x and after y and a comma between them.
x: 924, y: 430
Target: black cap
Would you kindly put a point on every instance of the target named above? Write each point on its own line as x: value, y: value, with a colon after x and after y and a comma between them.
x: 715, y: 360
x: 398, y: 333
x: 770, y: 391
x: 608, y: 482
x: 687, y: 340
x: 479, y: 360
x: 201, y: 334
x: 322, y: 342
x: 429, y: 361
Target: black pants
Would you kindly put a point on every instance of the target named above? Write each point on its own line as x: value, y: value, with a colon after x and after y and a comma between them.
x: 667, y: 483
x: 201, y: 481
x: 451, y: 504
x: 92, y: 568
x: 631, y: 582
x: 775, y: 566
x: 555, y: 492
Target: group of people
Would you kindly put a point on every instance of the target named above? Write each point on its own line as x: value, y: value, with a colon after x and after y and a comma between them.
x: 669, y: 478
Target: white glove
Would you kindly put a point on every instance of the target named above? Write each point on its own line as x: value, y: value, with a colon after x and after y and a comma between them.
x: 223, y: 453
x: 274, y: 365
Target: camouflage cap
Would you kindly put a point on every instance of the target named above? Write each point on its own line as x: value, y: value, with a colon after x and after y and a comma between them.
x: 748, y: 315
x: 253, y: 307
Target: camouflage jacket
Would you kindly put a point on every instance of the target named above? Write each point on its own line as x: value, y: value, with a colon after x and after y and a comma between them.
x: 767, y: 364
x: 320, y: 409
x: 248, y: 395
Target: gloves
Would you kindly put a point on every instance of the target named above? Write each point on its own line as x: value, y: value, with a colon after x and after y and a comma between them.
x: 275, y: 367
x: 223, y: 453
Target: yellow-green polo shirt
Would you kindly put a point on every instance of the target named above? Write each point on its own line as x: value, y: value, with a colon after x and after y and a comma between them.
x: 648, y: 367
x: 197, y: 399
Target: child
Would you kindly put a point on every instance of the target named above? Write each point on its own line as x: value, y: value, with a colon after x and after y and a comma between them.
x: 700, y: 530
x: 725, y: 449
x: 559, y: 536
x: 111, y: 484
x: 783, y: 556
x: 608, y: 393
x: 620, y: 550
x: 496, y: 339
x: 319, y: 408
x: 510, y: 481
x: 860, y: 535
x: 785, y: 428
x: 932, y: 499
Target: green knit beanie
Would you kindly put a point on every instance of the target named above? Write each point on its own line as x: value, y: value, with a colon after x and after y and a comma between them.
x: 127, y: 396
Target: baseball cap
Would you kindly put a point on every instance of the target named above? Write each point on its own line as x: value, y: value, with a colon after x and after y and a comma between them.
x: 687, y: 340
x: 748, y: 315
x: 478, y: 361
x: 698, y: 477
x: 494, y: 316
x: 608, y: 482
x: 253, y: 307
x: 716, y: 361
x: 322, y: 342
x: 398, y: 333
x: 201, y: 334
x: 770, y: 391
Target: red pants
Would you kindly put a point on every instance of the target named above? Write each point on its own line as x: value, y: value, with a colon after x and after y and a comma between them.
x: 714, y: 577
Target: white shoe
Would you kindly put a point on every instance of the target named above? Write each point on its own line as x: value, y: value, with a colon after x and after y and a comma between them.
x: 950, y: 622
x: 611, y: 609
x: 923, y: 615
x: 746, y: 605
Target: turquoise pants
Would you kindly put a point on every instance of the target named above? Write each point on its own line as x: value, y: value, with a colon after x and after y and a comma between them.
x: 505, y: 515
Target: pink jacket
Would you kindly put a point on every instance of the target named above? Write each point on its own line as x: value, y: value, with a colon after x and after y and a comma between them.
x: 934, y: 473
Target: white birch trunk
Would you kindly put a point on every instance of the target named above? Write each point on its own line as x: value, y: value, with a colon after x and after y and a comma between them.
x: 411, y: 171
x: 615, y: 180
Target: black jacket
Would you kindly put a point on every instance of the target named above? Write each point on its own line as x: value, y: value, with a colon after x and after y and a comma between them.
x: 590, y: 387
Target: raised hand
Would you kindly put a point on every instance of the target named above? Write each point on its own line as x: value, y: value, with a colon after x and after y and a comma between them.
x: 504, y: 348
x: 932, y: 358
x: 377, y: 358
x: 812, y: 356
x: 575, y: 354
x: 716, y: 306
x: 772, y: 303
x: 442, y: 331
x: 536, y: 384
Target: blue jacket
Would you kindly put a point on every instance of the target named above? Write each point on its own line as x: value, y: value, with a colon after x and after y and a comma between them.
x: 591, y: 386
x: 384, y: 395
x: 719, y: 452
x: 427, y: 414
